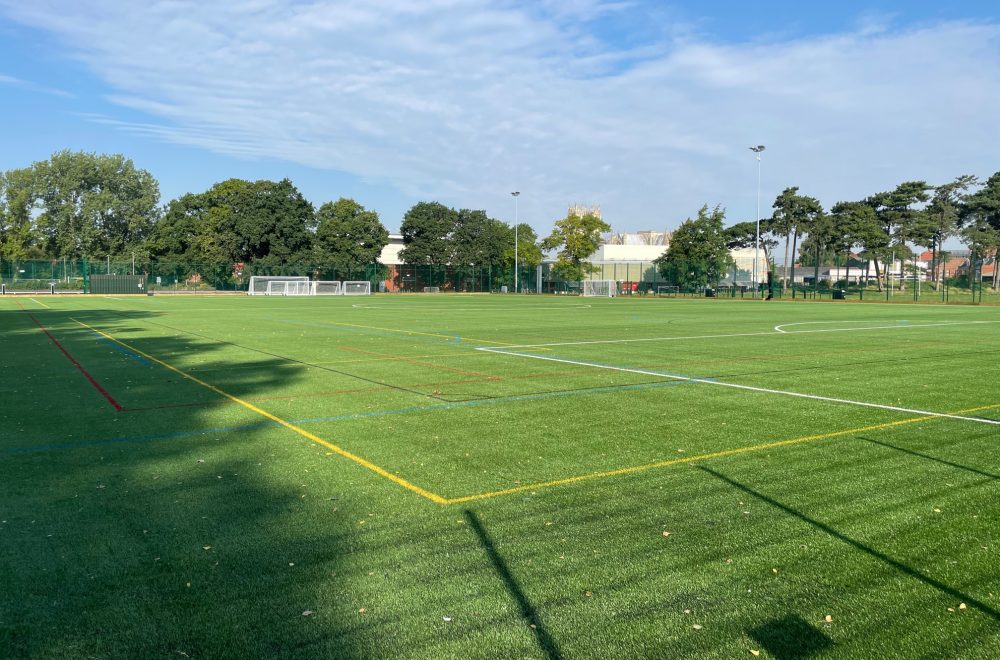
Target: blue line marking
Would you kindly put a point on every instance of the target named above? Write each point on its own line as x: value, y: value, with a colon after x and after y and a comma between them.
x: 338, y: 418
x: 121, y: 349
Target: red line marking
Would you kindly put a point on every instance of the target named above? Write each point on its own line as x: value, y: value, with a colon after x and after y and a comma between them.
x: 97, y: 386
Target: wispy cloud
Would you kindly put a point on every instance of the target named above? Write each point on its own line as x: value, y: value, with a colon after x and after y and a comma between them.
x: 460, y: 100
x: 27, y: 84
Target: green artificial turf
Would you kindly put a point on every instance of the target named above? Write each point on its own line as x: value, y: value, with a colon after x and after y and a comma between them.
x: 356, y: 477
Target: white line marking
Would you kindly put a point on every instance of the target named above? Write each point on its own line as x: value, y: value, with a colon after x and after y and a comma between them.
x: 899, y: 324
x: 750, y: 388
x: 479, y: 308
x: 766, y: 333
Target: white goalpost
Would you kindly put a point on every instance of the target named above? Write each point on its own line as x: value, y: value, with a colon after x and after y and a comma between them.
x: 290, y: 288
x: 259, y: 283
x: 326, y: 288
x: 599, y: 288
x: 358, y: 288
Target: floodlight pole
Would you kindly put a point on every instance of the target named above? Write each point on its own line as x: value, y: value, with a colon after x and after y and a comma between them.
x: 515, y: 195
x: 756, y: 245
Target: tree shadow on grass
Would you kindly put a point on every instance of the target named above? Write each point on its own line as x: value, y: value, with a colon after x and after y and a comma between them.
x: 872, y: 552
x: 791, y: 638
x: 928, y: 457
x: 189, y: 547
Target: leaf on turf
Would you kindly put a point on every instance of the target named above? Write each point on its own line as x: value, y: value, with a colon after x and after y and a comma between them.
x: 951, y: 609
x: 206, y: 547
x: 828, y: 618
x: 361, y: 611
x: 666, y: 533
x: 308, y: 613
x: 588, y: 594
x: 697, y: 626
x: 754, y: 652
x: 961, y: 606
x: 447, y: 619
x: 936, y: 510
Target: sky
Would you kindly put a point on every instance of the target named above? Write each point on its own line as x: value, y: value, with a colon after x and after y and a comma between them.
x: 647, y: 109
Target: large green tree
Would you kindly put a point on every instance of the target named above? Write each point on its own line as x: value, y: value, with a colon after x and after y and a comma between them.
x: 17, y: 238
x: 979, y: 216
x: 426, y: 230
x: 266, y: 224
x: 87, y: 205
x: 941, y: 217
x: 698, y: 255
x: 793, y: 214
x: 576, y: 237
x: 899, y: 218
x: 348, y: 237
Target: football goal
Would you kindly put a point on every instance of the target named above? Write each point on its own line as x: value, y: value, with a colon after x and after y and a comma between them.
x: 290, y: 288
x: 326, y: 288
x: 357, y: 288
x: 668, y: 291
x: 432, y: 289
x: 603, y: 288
x: 259, y: 283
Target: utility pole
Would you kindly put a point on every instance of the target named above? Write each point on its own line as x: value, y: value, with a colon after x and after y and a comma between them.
x: 515, y: 195
x: 756, y: 245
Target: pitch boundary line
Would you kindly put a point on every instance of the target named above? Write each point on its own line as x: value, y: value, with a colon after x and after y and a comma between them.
x: 749, y: 388
x: 700, y: 457
x: 278, y: 420
x: 766, y: 333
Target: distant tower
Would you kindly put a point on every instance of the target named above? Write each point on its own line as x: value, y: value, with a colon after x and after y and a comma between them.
x: 581, y: 210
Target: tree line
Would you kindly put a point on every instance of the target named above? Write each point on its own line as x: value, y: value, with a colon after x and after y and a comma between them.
x: 79, y: 205
x: 878, y: 228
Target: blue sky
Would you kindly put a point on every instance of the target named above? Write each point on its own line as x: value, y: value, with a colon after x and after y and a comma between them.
x: 645, y: 108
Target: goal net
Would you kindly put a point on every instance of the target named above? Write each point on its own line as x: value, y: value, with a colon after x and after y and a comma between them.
x: 358, y: 288
x: 432, y: 289
x: 259, y: 283
x: 603, y: 288
x: 290, y: 288
x: 668, y: 291
x: 326, y: 288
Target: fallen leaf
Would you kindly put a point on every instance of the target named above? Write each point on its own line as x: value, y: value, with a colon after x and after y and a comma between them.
x: 687, y: 611
x: 361, y: 611
x: 308, y: 613
x: 937, y: 510
x: 588, y: 594
x: 696, y: 626
x: 754, y: 652
x: 828, y: 618
x: 774, y: 570
x: 206, y: 547
x: 961, y: 606
x: 666, y: 534
x: 951, y: 609
x: 447, y: 619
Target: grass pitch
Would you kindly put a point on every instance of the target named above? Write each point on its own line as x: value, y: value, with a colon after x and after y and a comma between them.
x: 485, y: 476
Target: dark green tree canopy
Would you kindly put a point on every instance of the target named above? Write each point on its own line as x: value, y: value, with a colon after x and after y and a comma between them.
x: 698, y: 255
x: 576, y: 237
x: 348, y: 236
x: 426, y: 230
x: 78, y: 204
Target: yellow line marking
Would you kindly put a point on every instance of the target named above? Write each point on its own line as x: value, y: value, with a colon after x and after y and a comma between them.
x: 274, y: 418
x: 40, y: 303
x: 424, y: 334
x: 700, y: 457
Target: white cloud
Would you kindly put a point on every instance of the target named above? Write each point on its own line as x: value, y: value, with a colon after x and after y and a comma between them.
x: 464, y: 101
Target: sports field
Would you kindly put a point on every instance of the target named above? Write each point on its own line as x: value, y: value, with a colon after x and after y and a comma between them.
x: 485, y: 476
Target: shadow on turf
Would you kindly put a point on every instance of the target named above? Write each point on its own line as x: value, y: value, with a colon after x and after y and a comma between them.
x: 886, y: 559
x: 930, y: 458
x: 180, y: 548
x: 791, y: 637
x: 545, y: 642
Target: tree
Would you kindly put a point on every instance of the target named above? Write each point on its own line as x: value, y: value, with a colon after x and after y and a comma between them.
x: 576, y: 237
x: 854, y: 221
x: 792, y: 214
x: 16, y: 200
x: 899, y: 220
x: 698, y: 255
x: 348, y: 236
x: 426, y: 230
x: 529, y: 253
x: 942, y: 216
x: 264, y: 223
x: 92, y: 204
x: 980, y: 217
